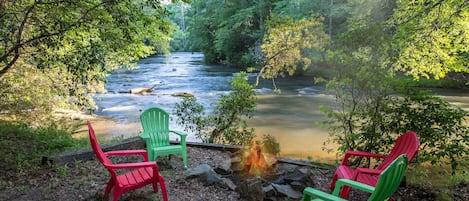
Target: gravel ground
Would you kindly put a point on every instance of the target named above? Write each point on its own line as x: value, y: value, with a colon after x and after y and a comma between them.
x: 86, y: 180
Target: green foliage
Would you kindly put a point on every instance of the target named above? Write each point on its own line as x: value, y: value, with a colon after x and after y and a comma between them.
x: 270, y: 145
x: 228, y: 31
x: 369, y: 115
x: 360, y: 85
x: 432, y: 37
x: 67, y: 47
x: 443, y: 133
x: 226, y: 124
x: 285, y: 45
x: 23, y: 147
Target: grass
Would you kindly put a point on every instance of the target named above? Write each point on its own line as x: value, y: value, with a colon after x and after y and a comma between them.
x: 23, y: 147
x: 436, y: 176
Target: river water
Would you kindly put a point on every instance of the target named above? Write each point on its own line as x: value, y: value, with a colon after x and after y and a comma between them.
x: 291, y: 117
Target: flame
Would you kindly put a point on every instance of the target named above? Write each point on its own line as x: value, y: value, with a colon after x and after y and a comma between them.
x: 255, y: 162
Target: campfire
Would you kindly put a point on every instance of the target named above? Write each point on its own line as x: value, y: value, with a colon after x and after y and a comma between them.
x: 256, y: 161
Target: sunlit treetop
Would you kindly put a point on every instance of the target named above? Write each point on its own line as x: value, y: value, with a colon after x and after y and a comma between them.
x: 432, y: 37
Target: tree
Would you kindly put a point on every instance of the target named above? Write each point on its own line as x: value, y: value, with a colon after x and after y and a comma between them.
x: 432, y: 37
x: 70, y: 46
x: 228, y: 31
x: 285, y: 45
x: 226, y: 124
x: 373, y: 108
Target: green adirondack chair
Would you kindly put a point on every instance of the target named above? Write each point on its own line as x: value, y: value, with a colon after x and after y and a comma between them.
x: 155, y: 123
x: 388, y: 182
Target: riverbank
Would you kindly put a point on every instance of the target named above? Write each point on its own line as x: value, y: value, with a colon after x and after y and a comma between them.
x: 86, y: 180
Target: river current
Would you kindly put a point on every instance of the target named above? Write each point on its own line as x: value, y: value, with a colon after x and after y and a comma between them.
x: 291, y: 117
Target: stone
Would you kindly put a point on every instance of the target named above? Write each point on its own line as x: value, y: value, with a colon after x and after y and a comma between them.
x: 198, y: 171
x: 285, y: 168
x: 298, y: 186
x: 142, y: 90
x: 251, y: 190
x: 296, y: 177
x: 183, y: 94
x: 227, y: 183
x: 224, y: 168
x: 210, y: 178
x: 287, y: 191
x: 269, y: 191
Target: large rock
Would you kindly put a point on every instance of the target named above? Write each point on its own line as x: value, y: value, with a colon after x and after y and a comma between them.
x: 251, y: 190
x: 287, y: 191
x: 183, y: 94
x: 142, y: 90
x: 205, y: 173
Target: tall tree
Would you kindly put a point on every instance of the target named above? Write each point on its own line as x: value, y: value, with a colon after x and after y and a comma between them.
x: 70, y: 45
x: 432, y: 37
x: 285, y: 43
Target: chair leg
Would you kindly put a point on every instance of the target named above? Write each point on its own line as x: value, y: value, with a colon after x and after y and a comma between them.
x: 345, y: 191
x: 116, y: 194
x: 163, y: 188
x: 184, y: 158
x: 110, y: 185
x: 155, y: 185
x: 334, y: 180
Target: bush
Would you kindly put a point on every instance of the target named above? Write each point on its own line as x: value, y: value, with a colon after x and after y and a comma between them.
x: 23, y: 147
x: 226, y: 124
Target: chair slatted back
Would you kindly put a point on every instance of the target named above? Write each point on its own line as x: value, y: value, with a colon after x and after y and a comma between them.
x: 407, y: 143
x: 390, y: 179
x: 155, y: 122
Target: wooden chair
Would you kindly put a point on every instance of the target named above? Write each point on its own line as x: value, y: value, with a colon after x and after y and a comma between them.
x: 407, y: 143
x: 155, y: 123
x: 389, y: 180
x: 137, y: 175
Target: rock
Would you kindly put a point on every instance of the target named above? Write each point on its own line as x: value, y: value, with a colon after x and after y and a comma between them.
x: 210, y: 178
x: 269, y: 191
x: 198, y: 171
x: 296, y: 177
x: 205, y: 173
x: 287, y: 191
x: 251, y: 190
x: 298, y: 186
x: 285, y: 168
x: 303, y: 170
x: 183, y: 94
x: 142, y: 90
x: 224, y: 168
x: 227, y: 183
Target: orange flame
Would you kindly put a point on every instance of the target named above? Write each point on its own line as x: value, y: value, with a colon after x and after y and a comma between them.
x: 255, y: 161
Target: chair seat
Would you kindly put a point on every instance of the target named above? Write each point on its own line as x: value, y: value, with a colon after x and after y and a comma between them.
x: 346, y: 172
x: 140, y: 176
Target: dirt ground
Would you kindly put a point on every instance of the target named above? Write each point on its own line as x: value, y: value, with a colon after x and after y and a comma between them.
x: 86, y: 180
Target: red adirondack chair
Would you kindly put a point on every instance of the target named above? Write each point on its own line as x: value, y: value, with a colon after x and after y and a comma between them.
x: 138, y: 175
x: 407, y: 143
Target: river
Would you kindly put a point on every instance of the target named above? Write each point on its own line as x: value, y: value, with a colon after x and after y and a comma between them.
x: 291, y: 117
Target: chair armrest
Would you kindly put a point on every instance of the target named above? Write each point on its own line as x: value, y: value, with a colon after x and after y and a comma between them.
x: 349, y: 153
x: 353, y: 184
x: 144, y: 136
x: 181, y: 134
x: 132, y: 165
x: 126, y: 152
x: 141, y: 152
x: 309, y: 192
